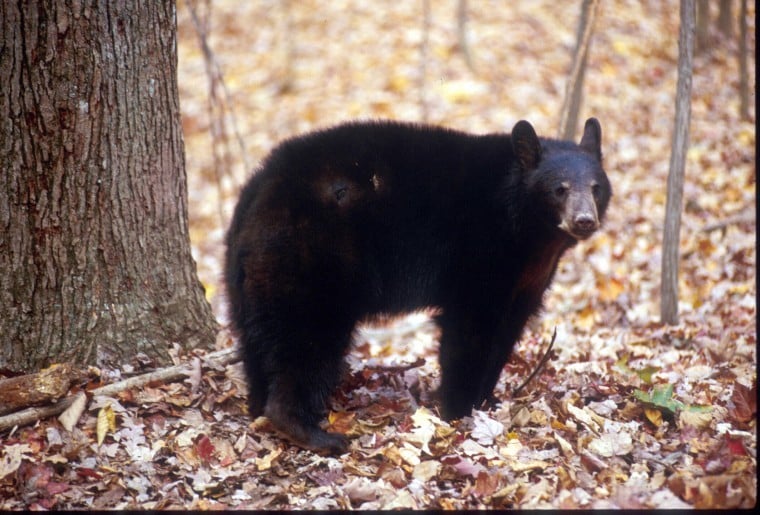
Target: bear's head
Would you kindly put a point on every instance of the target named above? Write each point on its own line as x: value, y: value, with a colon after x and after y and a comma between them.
x: 565, y: 183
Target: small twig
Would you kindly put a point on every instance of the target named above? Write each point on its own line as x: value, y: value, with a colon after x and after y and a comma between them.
x: 424, y: 44
x: 393, y: 369
x: 29, y: 415
x: 540, y: 365
x: 734, y: 220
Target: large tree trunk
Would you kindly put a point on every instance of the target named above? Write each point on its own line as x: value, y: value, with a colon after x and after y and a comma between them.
x: 95, y: 262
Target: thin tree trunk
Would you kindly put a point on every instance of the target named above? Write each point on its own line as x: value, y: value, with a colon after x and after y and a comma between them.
x: 725, y: 18
x: 743, y: 73
x: 95, y: 263
x: 703, y: 25
x: 464, y: 45
x: 671, y: 237
x: 574, y: 92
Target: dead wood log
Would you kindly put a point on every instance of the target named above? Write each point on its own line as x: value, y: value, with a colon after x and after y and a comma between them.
x: 36, y: 389
x: 29, y: 415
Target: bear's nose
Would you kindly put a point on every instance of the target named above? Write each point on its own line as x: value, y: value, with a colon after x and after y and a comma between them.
x: 585, y: 223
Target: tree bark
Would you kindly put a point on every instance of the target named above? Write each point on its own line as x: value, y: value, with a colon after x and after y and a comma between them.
x: 672, y: 232
x: 95, y: 262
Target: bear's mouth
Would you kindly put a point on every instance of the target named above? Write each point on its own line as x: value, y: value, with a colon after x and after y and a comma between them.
x: 579, y: 231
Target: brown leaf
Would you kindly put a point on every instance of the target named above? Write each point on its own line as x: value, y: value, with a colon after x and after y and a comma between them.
x: 486, y: 483
x: 745, y: 402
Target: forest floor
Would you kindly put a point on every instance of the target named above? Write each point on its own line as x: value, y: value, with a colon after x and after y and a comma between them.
x: 627, y: 413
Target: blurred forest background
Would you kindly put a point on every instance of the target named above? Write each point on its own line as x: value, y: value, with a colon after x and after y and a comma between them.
x: 269, y: 69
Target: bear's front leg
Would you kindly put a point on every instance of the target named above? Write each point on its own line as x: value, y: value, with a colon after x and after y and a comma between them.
x: 463, y: 357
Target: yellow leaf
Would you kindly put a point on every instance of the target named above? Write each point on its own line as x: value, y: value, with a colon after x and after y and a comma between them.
x: 210, y: 290
x: 586, y: 318
x: 747, y: 137
x: 695, y: 153
x: 556, y: 424
x: 456, y: 91
x: 740, y: 289
x: 654, y: 416
x: 622, y: 47
x: 106, y: 422
x: 398, y: 83
x: 265, y: 463
x: 609, y: 288
x: 340, y: 421
x: 609, y: 71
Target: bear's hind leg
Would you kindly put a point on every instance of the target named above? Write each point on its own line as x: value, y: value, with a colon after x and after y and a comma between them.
x: 301, y: 378
x: 257, y: 385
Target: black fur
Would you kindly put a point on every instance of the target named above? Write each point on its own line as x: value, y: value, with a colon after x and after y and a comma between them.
x: 384, y: 218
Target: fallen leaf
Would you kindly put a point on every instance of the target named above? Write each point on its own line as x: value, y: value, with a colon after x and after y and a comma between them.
x: 654, y: 416
x: 204, y: 449
x: 426, y: 470
x: 612, y: 444
x: 745, y: 402
x: 700, y: 420
x: 485, y: 428
x: 71, y: 415
x: 106, y: 422
x: 265, y: 463
x: 12, y: 456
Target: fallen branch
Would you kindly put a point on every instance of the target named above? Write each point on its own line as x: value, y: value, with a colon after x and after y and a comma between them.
x: 745, y: 218
x: 223, y: 357
x: 540, y: 365
x: 29, y: 415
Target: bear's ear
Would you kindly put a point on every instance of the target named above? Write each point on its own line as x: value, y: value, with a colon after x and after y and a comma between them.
x: 592, y: 138
x: 526, y: 145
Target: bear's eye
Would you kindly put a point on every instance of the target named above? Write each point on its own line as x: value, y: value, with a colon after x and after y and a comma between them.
x: 596, y: 189
x: 561, y: 191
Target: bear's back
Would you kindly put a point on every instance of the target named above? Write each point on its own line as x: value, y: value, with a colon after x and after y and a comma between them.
x: 387, y: 208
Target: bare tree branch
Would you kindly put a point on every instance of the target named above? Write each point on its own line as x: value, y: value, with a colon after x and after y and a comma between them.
x: 574, y: 93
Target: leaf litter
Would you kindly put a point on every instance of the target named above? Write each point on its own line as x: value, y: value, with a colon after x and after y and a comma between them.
x: 626, y: 413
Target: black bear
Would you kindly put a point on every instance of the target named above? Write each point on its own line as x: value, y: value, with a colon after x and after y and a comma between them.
x: 383, y: 218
